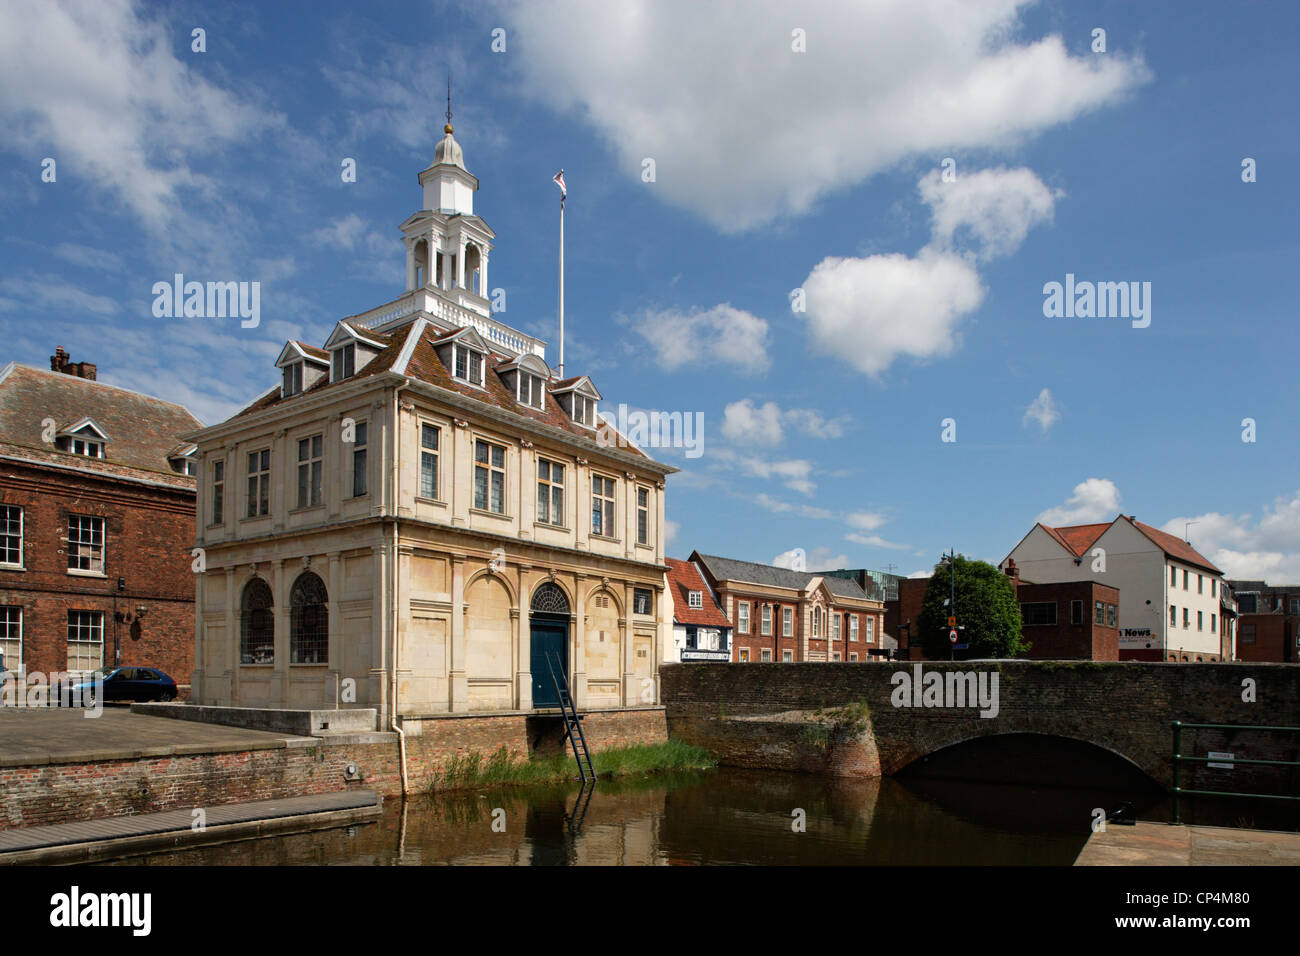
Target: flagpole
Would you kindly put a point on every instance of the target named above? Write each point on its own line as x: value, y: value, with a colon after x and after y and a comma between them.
x: 561, y: 370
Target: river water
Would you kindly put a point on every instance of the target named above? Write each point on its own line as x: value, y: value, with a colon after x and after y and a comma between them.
x: 723, y: 816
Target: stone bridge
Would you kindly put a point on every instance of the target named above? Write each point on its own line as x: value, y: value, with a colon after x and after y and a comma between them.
x: 864, y: 719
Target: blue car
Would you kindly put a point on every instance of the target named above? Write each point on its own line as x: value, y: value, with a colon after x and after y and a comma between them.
x: 124, y: 683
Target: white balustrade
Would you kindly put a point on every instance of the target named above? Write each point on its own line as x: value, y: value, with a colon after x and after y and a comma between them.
x: 440, y: 308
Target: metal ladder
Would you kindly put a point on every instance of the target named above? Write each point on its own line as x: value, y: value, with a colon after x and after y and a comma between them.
x: 572, y: 722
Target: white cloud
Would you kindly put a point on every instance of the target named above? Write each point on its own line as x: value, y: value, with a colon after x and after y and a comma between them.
x: 872, y: 311
x: 670, y: 530
x: 80, y: 255
x: 989, y: 211
x: 811, y: 423
x: 1244, y: 548
x: 745, y: 423
x: 766, y: 501
x: 1042, y: 410
x: 52, y: 293
x: 922, y: 574
x: 879, y: 83
x: 794, y: 473
x: 1094, y: 500
x: 820, y: 558
x: 865, y: 520
x: 97, y: 87
x: 722, y: 335
x: 342, y: 233
x: 875, y: 541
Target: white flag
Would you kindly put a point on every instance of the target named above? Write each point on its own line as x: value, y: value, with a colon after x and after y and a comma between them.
x: 559, y: 181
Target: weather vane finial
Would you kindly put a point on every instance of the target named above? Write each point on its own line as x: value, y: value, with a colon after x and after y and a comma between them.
x: 448, y: 128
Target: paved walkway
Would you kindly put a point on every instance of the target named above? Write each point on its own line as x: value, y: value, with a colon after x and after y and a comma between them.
x: 45, y: 735
x: 115, y: 836
x: 1162, y: 844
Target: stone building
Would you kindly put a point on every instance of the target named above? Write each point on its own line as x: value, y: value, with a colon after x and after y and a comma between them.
x: 423, y: 517
x: 96, y: 525
x: 778, y: 614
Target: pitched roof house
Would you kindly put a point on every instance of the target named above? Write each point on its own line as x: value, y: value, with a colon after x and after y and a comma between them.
x: 96, y: 523
x: 701, y: 631
x: 1169, y: 603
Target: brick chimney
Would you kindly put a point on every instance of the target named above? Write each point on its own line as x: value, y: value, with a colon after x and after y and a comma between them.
x: 60, y: 361
x: 1013, y: 572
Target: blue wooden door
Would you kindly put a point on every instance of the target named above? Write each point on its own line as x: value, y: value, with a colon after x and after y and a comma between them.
x: 549, y: 643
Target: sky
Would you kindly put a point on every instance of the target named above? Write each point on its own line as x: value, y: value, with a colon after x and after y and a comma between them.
x: 829, y: 229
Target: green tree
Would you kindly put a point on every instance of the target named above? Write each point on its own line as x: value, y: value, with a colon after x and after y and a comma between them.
x: 985, y: 605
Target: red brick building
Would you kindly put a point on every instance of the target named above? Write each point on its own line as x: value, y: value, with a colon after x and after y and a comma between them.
x: 1068, y: 620
x: 96, y: 524
x: 1268, y: 623
x: 778, y: 614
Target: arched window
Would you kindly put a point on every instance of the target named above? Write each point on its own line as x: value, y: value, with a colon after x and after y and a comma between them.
x: 473, y: 268
x: 550, y: 598
x: 309, y: 621
x: 256, y: 624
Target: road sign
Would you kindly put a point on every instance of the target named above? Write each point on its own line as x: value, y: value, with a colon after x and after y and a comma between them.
x: 952, y: 622
x: 961, y: 647
x: 952, y: 636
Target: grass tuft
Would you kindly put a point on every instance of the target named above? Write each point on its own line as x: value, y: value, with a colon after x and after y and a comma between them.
x: 468, y: 770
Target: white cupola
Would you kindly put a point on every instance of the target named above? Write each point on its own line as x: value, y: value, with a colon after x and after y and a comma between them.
x: 447, y: 246
x: 448, y: 186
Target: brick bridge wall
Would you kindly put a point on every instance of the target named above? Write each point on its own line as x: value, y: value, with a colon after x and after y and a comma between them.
x: 766, y: 715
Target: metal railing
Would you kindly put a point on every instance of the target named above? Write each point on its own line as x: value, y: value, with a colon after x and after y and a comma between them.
x: 1179, y: 759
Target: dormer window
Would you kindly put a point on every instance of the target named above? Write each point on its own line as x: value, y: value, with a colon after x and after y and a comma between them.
x: 695, y: 599
x: 302, y: 366
x: 527, y: 376
x: 184, y: 459
x: 531, y: 390
x: 468, y: 365
x: 82, y: 446
x: 583, y: 410
x: 82, y: 438
x: 292, y: 380
x: 578, y: 396
x: 344, y: 362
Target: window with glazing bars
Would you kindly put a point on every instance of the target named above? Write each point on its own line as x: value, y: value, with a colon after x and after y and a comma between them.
x: 602, y: 506
x: 309, y: 621
x: 489, y: 477
x: 428, y: 461
x: 550, y: 492
x: 85, y: 543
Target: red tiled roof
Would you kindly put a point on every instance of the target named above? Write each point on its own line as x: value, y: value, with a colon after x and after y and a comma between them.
x: 1174, y: 546
x: 684, y: 577
x: 425, y: 365
x: 1077, y: 538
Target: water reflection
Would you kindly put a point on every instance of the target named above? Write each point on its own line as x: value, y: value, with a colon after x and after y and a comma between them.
x: 725, y: 816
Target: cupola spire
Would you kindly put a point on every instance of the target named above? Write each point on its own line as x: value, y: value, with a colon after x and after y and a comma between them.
x: 447, y: 128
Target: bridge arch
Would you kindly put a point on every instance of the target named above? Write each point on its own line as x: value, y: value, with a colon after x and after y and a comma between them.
x: 1055, y: 755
